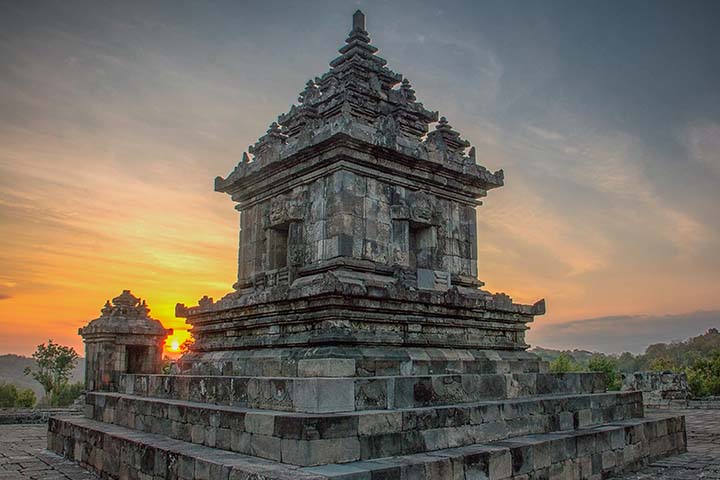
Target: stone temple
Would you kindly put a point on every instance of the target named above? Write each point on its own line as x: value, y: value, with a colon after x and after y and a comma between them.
x: 357, y: 342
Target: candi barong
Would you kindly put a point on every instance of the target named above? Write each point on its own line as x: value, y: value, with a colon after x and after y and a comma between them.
x: 358, y: 342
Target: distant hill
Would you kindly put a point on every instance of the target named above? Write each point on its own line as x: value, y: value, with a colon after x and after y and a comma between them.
x: 12, y: 370
x: 673, y: 355
x: 580, y: 356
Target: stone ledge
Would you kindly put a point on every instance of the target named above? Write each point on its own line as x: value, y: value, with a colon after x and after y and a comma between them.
x: 592, y: 453
x: 368, y: 361
x: 343, y: 394
x: 364, y: 435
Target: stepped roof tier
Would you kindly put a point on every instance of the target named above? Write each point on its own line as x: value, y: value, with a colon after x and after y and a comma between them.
x: 362, y: 98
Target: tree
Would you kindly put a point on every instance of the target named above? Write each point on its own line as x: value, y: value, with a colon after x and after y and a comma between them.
x: 185, y: 346
x: 663, y: 364
x: 54, y: 363
x: 608, y: 366
x: 629, y: 363
x: 564, y: 363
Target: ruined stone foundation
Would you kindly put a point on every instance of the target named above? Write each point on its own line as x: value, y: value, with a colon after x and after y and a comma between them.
x: 358, y: 343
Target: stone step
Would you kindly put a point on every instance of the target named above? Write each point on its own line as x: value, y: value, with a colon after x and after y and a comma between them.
x: 353, y: 361
x: 587, y: 454
x: 591, y: 453
x: 342, y: 437
x: 119, y: 452
x: 343, y: 394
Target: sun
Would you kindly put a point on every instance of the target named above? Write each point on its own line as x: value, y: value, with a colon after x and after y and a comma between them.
x: 174, y: 344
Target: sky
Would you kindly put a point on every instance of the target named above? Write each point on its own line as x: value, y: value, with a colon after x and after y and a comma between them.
x: 115, y: 117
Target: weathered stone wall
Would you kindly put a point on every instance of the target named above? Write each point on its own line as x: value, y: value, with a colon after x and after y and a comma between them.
x: 345, y: 394
x: 17, y: 416
x: 659, y: 388
x: 345, y: 214
x: 101, y: 360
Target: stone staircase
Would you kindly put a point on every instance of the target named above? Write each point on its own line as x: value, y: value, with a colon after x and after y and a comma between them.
x: 446, y: 425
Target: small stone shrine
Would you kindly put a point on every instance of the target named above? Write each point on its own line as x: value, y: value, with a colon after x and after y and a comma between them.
x: 357, y: 342
x: 124, y: 340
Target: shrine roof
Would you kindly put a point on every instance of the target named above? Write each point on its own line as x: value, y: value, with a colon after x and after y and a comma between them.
x: 361, y: 97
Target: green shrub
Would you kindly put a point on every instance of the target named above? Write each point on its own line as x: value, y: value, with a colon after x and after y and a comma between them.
x: 66, y: 394
x: 8, y: 395
x: 704, y: 376
x: 608, y: 366
x: 25, y: 399
x: 12, y: 397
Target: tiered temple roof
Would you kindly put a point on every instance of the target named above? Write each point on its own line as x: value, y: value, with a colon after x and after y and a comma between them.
x: 361, y: 97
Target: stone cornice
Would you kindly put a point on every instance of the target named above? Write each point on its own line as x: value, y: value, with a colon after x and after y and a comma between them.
x: 463, y: 182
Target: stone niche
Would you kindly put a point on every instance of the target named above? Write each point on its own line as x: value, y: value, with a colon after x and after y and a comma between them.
x: 124, y: 339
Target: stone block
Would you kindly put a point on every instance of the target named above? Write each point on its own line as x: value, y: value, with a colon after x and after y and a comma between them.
x: 567, y: 421
x: 240, y: 441
x: 342, y: 472
x: 326, y: 367
x: 372, y: 394
x: 324, y: 395
x: 375, y: 424
x: 259, y: 423
x: 223, y: 438
x: 379, y: 446
x: 185, y: 467
x: 500, y: 465
x: 264, y: 446
x: 584, y: 418
x: 197, y: 434
x: 617, y: 439
x: 608, y: 459
x: 318, y: 452
x: 202, y: 470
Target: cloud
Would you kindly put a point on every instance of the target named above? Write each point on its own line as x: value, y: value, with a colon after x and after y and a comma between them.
x: 621, y: 333
x: 545, y: 134
x: 4, y: 296
x: 702, y: 141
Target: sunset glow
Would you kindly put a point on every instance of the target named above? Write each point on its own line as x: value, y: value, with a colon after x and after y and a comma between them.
x: 174, y: 343
x: 113, y: 129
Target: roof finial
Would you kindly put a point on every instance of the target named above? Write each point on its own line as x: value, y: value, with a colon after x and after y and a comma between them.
x: 358, y: 20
